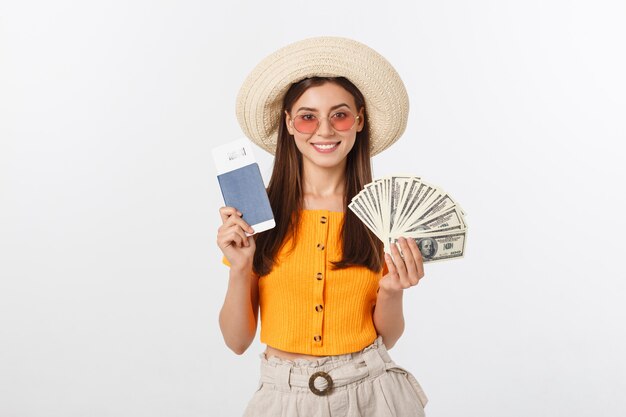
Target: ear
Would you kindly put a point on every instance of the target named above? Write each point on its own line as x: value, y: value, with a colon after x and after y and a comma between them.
x: 288, y: 123
x: 361, y: 122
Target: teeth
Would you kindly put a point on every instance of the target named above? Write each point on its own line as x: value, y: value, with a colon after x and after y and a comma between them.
x: 325, y: 146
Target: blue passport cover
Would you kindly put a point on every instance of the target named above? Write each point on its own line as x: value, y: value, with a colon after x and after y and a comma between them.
x: 243, y: 189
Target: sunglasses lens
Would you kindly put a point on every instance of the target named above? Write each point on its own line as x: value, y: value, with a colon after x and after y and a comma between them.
x: 342, y: 121
x: 305, y: 124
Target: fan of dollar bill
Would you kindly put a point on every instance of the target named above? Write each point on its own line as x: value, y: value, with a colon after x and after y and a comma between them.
x: 405, y: 206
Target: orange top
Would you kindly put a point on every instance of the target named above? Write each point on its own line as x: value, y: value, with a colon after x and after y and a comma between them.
x: 309, y: 308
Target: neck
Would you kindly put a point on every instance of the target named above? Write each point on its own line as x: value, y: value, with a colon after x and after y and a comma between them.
x: 323, y: 187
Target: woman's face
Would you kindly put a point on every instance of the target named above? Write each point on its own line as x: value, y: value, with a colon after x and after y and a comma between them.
x: 326, y: 147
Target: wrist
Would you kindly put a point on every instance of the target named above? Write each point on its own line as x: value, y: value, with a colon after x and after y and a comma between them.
x: 389, y: 294
x: 241, y: 271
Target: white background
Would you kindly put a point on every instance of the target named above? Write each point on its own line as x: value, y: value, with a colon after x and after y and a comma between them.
x: 111, y: 280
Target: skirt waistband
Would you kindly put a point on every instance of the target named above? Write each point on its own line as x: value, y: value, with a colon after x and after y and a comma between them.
x: 327, y: 372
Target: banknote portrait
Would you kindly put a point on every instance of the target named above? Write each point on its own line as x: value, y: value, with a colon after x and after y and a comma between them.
x: 428, y: 247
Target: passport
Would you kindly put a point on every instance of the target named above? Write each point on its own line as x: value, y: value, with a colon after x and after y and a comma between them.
x: 241, y: 184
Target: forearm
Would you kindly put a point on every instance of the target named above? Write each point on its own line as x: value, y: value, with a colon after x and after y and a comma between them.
x: 238, y: 317
x: 388, y: 316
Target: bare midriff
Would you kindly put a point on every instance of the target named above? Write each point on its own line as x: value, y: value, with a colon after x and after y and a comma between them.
x: 270, y: 351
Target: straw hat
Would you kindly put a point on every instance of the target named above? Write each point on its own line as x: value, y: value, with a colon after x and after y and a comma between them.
x: 260, y: 99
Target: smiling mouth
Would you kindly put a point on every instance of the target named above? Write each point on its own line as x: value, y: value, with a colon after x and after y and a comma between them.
x: 325, y: 146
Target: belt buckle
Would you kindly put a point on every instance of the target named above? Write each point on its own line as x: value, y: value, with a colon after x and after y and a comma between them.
x: 312, y: 383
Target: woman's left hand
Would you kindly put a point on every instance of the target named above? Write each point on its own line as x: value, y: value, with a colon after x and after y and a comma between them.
x: 406, y: 271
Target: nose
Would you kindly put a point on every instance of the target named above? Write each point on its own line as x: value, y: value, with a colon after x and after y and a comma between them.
x: 325, y: 128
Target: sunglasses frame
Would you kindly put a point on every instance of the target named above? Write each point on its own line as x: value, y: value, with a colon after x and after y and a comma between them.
x: 357, y: 117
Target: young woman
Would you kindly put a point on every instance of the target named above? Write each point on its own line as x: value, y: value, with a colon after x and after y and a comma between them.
x: 330, y: 299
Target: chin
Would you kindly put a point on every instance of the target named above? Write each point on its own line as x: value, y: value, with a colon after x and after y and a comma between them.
x: 331, y: 162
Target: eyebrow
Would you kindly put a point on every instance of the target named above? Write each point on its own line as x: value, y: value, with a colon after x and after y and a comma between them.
x: 331, y: 109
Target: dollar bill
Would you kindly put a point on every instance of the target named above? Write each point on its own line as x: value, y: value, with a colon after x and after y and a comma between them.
x: 438, y: 246
x: 450, y: 219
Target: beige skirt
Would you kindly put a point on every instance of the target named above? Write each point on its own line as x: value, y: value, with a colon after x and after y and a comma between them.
x: 361, y: 384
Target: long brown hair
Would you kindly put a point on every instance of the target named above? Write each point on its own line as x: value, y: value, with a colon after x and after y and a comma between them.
x: 360, y: 245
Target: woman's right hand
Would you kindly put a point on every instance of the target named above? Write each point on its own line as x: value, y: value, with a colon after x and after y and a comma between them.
x: 232, y: 240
